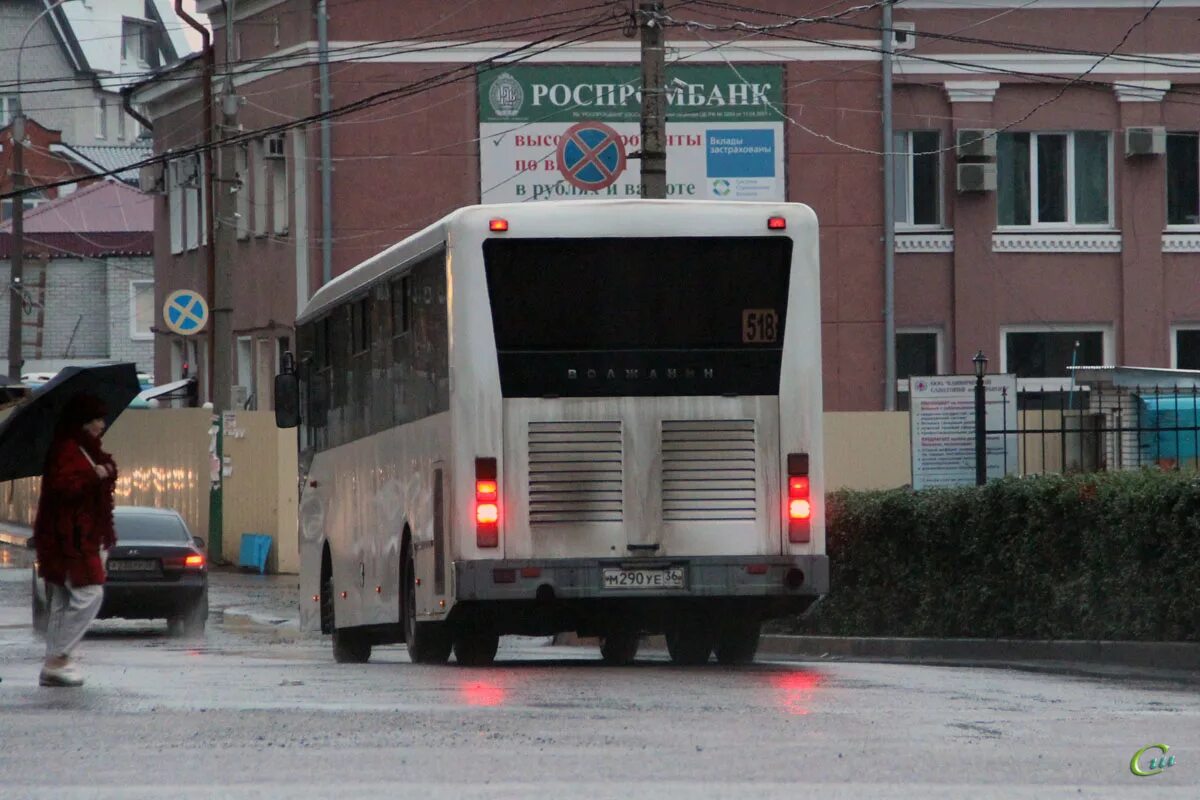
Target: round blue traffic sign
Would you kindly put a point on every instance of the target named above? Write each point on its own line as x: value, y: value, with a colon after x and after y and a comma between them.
x: 590, y: 156
x: 185, y: 312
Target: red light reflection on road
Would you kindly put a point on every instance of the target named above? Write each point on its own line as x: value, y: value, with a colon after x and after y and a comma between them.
x: 482, y: 693
x: 795, y: 690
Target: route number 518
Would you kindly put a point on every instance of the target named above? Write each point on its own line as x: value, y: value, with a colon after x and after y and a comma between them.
x: 759, y: 326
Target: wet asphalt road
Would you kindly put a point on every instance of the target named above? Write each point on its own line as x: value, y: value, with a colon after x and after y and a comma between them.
x: 244, y: 715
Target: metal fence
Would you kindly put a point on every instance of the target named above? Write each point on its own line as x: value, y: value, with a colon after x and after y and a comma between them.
x: 1095, y: 428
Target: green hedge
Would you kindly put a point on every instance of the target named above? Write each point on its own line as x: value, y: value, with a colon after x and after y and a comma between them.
x: 1097, y: 556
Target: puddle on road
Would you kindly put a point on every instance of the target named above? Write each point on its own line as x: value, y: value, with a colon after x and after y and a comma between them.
x: 13, y: 558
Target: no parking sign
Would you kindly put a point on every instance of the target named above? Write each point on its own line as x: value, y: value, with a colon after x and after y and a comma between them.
x: 590, y: 156
x: 185, y: 312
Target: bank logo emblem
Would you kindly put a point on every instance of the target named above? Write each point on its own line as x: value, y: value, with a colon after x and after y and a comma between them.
x: 506, y: 96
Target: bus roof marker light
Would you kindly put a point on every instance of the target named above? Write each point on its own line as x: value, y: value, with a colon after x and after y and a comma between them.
x: 777, y: 223
x: 498, y: 225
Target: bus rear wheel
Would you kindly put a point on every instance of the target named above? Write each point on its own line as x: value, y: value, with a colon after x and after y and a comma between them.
x: 476, y: 648
x: 737, y: 645
x: 689, y: 642
x: 619, y: 647
x: 428, y: 642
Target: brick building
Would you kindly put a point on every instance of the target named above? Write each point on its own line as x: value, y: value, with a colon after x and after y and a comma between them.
x: 1066, y: 226
x: 89, y: 279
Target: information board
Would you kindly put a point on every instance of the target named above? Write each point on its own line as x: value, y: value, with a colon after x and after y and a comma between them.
x: 942, y: 419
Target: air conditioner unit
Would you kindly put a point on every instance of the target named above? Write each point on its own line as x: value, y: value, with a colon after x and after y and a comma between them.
x: 274, y: 147
x: 977, y: 177
x: 975, y: 143
x: 1145, y: 141
x: 150, y: 179
x: 904, y: 35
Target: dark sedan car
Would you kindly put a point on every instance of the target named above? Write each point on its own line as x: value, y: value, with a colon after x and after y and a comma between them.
x: 157, y: 570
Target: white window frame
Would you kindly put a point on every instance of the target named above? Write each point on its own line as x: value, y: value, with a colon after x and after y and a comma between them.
x: 102, y: 118
x: 1069, y: 224
x: 1107, y: 329
x: 279, y: 196
x: 134, y: 333
x: 1175, y: 329
x: 260, y: 188
x: 1187, y: 226
x: 902, y: 383
x: 121, y: 127
x: 242, y: 168
x: 175, y: 204
x: 10, y: 105
x: 140, y: 34
x: 908, y: 224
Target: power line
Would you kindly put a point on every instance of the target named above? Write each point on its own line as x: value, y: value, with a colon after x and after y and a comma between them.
x: 513, y: 55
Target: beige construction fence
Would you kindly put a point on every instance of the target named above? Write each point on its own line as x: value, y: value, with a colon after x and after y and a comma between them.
x: 165, y: 460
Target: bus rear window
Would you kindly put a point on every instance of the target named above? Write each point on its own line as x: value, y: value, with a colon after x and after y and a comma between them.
x: 638, y: 310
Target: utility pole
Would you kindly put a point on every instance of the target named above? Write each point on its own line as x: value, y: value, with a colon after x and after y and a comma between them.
x: 226, y: 242
x: 16, y: 293
x: 654, y: 105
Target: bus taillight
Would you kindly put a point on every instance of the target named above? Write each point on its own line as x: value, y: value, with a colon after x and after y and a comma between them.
x: 487, y: 508
x: 799, y: 513
x: 498, y: 225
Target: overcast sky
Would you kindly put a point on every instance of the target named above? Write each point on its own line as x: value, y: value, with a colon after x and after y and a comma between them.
x: 193, y: 36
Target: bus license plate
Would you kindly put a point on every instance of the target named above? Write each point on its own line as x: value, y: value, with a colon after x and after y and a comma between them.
x: 670, y: 578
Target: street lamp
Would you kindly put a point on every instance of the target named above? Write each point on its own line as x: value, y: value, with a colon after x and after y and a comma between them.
x: 16, y: 298
x: 980, y: 361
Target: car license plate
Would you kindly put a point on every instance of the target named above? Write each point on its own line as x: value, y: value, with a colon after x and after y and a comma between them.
x: 670, y: 578
x: 132, y: 565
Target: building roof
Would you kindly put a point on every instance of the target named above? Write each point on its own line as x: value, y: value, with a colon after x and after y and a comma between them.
x: 106, y: 218
x: 91, y: 35
x: 105, y: 158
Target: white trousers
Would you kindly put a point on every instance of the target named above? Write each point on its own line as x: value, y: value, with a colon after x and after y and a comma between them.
x: 72, y: 609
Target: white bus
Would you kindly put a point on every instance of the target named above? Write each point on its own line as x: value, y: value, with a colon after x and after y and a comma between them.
x: 591, y: 416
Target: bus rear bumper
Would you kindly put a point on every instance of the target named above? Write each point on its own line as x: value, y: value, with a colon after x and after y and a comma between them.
x: 704, y: 577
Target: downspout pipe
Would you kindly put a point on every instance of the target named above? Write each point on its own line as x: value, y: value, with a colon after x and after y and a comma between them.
x: 889, y: 211
x: 326, y: 145
x: 210, y: 176
x: 127, y: 104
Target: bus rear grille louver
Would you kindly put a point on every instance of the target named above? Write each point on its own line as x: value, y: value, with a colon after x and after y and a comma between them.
x: 575, y: 472
x: 709, y: 470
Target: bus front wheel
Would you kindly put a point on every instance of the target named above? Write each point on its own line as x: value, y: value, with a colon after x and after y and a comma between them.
x: 349, y: 647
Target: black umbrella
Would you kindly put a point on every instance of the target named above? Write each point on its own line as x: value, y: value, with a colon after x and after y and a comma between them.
x: 27, y: 434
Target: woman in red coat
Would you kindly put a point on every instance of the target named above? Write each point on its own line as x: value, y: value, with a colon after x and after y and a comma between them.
x: 74, y: 526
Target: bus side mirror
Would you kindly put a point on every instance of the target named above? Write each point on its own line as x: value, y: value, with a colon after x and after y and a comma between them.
x: 287, y: 400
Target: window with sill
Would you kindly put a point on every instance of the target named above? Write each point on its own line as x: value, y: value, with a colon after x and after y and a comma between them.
x: 141, y: 309
x: 918, y: 178
x: 10, y: 106
x: 1048, y: 354
x: 1053, y: 179
x: 1183, y: 178
x: 1187, y: 348
x: 916, y: 353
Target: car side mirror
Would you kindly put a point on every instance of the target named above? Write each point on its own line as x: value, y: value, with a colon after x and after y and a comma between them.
x: 287, y: 400
x: 196, y: 540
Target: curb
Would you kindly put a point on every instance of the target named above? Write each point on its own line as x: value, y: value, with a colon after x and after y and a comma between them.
x: 1180, y: 656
